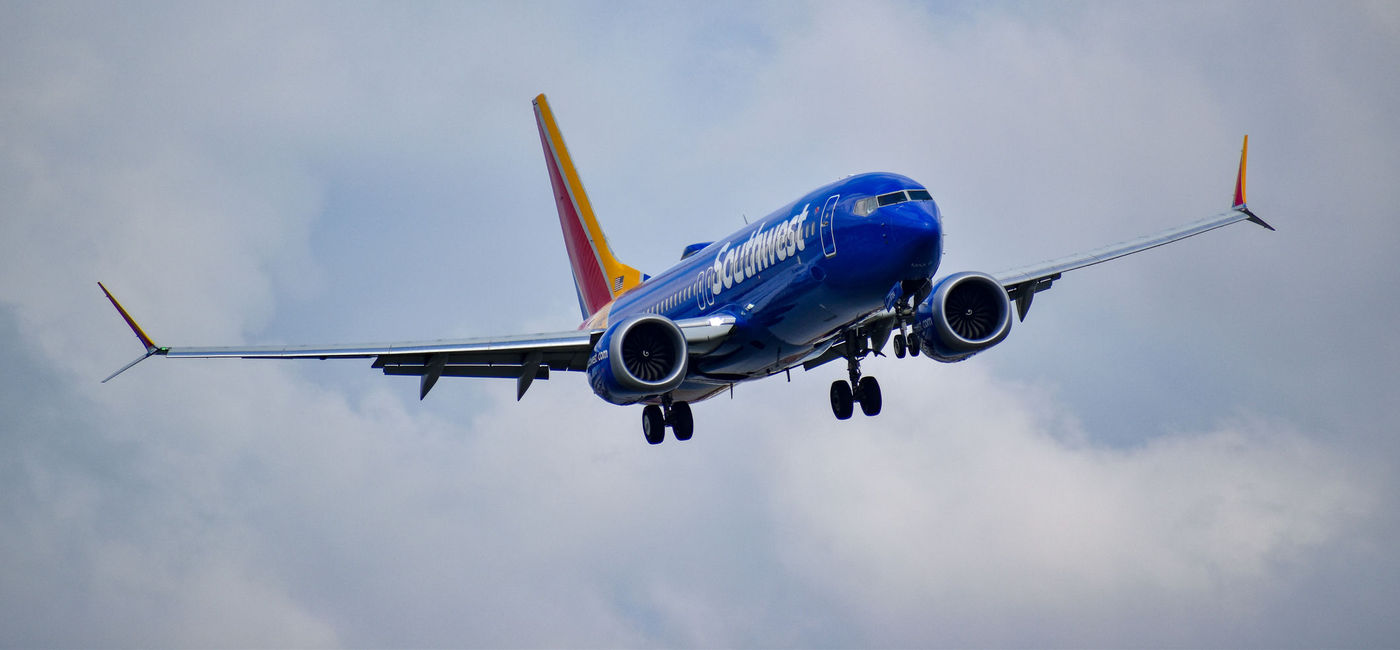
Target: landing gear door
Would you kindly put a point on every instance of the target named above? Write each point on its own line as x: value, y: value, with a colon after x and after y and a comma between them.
x: 828, y: 233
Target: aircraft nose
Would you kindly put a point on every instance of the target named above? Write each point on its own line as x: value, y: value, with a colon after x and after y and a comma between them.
x: 917, y: 230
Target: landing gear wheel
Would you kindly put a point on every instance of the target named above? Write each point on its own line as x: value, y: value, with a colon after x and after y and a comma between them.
x: 899, y: 346
x: 841, y: 400
x: 870, y: 400
x: 682, y: 424
x: 653, y: 424
x: 913, y: 348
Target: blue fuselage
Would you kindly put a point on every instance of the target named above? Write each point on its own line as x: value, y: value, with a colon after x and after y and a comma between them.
x: 795, y: 277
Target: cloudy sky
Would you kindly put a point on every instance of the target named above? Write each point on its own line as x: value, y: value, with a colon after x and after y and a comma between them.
x: 1192, y: 447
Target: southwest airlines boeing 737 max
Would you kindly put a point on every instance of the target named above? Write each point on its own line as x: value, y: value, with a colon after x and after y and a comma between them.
x: 838, y: 273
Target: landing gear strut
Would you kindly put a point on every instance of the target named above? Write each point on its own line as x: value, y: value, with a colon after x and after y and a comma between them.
x: 864, y: 390
x: 655, y: 419
x: 904, y: 315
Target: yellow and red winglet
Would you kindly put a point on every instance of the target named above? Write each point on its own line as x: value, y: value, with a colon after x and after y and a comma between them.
x: 130, y: 322
x: 1239, y: 203
x: 151, y: 348
x: 1239, y: 179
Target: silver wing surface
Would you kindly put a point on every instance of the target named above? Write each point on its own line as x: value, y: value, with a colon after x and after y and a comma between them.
x: 524, y: 358
x: 1024, y: 282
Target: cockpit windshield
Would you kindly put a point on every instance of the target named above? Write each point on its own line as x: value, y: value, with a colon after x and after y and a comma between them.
x: 865, y: 206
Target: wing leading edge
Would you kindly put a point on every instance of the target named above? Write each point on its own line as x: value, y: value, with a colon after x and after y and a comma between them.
x: 1023, y: 283
x: 524, y: 358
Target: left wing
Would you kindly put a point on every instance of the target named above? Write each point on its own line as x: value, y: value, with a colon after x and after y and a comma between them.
x: 524, y: 358
x: 1023, y: 283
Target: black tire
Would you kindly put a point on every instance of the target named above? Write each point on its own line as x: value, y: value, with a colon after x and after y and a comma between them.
x: 682, y: 424
x: 899, y: 346
x: 653, y: 425
x: 870, y: 400
x: 913, y: 347
x: 841, y: 401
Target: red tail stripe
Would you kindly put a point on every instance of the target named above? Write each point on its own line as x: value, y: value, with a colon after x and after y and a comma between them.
x: 592, y: 287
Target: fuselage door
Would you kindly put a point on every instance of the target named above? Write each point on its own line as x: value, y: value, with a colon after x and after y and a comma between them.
x: 828, y: 232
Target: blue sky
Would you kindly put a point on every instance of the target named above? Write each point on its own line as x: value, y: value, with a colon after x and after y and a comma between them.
x: 1193, y: 446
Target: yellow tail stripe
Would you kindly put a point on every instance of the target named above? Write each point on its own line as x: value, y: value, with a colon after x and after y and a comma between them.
x: 612, y: 268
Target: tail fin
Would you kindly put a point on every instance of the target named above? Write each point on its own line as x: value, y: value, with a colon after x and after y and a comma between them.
x: 598, y: 276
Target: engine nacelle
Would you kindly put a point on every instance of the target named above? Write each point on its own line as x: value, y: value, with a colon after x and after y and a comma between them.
x: 965, y: 314
x: 639, y: 357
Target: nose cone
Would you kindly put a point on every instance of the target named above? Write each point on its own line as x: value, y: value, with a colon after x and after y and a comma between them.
x: 916, y: 229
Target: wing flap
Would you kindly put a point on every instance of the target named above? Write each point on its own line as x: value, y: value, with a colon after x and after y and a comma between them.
x: 495, y: 372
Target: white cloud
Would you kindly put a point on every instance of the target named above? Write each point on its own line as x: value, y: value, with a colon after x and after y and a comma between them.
x: 239, y: 173
x: 979, y: 524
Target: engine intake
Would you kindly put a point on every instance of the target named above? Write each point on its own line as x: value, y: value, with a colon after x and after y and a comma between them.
x: 639, y: 357
x: 965, y: 314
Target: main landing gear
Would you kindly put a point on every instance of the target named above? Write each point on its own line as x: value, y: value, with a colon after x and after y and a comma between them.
x: 903, y: 345
x: 655, y: 419
x: 863, y: 390
x: 858, y: 343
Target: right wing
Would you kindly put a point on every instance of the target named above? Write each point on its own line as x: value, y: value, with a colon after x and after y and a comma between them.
x: 1023, y: 283
x: 524, y: 358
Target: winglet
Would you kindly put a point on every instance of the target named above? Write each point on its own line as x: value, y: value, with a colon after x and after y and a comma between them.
x: 1239, y: 200
x: 1239, y: 178
x: 151, y: 348
x: 130, y: 322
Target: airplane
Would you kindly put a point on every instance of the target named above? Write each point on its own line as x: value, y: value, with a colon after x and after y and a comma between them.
x: 837, y: 274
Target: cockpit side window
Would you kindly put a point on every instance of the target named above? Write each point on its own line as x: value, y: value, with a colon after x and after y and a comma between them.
x: 864, y: 207
x: 920, y: 195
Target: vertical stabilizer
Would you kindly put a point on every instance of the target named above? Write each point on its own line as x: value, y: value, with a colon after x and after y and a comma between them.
x: 598, y: 276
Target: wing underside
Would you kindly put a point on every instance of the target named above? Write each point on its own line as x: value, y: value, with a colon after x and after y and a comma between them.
x: 524, y: 358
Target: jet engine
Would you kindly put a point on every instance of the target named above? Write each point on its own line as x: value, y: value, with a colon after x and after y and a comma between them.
x: 963, y: 315
x: 639, y: 357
